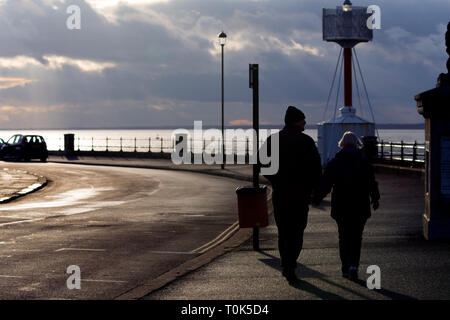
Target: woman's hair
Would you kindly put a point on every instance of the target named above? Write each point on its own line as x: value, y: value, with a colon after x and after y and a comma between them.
x: 349, y: 139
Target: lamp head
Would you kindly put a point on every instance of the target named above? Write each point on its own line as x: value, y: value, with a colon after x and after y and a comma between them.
x: 347, y: 6
x: 222, y: 38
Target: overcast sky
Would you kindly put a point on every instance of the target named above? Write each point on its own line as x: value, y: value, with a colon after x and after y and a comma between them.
x: 157, y: 62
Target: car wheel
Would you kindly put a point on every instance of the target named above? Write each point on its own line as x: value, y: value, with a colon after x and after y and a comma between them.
x: 43, y: 159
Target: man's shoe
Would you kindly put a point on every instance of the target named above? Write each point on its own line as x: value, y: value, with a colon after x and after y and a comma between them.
x: 291, y: 278
x: 353, y: 271
x: 345, y: 272
x: 290, y: 275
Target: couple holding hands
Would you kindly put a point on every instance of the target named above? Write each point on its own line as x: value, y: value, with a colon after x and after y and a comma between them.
x: 299, y: 182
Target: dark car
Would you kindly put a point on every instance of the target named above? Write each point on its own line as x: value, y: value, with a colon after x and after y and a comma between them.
x: 2, y: 143
x: 20, y: 147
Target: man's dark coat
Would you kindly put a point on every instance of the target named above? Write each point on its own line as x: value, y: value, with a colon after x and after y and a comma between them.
x: 299, y: 166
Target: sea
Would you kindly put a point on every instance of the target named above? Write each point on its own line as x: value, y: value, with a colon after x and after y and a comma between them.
x: 143, y: 140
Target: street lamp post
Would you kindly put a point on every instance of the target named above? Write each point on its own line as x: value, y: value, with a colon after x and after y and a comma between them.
x: 222, y: 41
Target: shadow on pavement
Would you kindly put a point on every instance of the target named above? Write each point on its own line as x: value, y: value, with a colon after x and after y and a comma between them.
x: 305, y: 272
x: 274, y: 262
x: 305, y: 286
x: 387, y: 293
x: 72, y: 157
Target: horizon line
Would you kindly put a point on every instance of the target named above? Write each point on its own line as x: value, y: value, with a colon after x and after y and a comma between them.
x: 312, y: 126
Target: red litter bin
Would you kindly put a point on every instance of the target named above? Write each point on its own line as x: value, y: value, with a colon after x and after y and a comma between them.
x: 252, y: 206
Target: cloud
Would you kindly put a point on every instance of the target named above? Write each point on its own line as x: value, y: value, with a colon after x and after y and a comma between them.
x: 156, y: 63
x: 157, y: 107
x: 18, y: 62
x: 17, y: 110
x: 7, y: 82
x: 240, y: 122
x: 101, y: 4
x: 55, y: 63
x: 23, y: 116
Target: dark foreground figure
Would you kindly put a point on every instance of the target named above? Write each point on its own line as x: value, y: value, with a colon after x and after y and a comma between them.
x: 298, y: 174
x: 352, y: 179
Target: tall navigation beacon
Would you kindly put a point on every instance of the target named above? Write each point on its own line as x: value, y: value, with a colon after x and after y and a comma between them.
x: 347, y: 26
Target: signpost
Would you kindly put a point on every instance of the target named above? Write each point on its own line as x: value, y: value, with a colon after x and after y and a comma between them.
x: 254, y: 84
x: 252, y: 200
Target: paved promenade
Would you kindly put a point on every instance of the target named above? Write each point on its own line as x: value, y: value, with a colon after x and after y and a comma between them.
x: 411, y: 267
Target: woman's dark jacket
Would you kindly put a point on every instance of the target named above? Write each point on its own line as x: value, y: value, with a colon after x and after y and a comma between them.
x: 352, y: 179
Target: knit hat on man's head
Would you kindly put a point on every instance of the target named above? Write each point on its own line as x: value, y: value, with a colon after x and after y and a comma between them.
x: 293, y: 115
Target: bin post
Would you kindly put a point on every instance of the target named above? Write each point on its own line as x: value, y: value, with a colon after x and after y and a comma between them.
x: 252, y: 208
x: 254, y: 84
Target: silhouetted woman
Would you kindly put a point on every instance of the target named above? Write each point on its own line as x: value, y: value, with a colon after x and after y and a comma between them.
x: 352, y: 180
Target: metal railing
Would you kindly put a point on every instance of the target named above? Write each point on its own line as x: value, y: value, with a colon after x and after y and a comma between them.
x: 407, y: 152
x: 401, y: 152
x: 154, y: 145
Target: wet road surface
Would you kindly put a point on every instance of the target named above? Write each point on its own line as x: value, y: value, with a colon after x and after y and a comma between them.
x: 121, y: 226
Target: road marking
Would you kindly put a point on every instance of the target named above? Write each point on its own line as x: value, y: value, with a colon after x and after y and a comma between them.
x: 71, y: 197
x: 170, y: 252
x: 79, y: 249
x: 219, y: 239
x: 29, y: 188
x: 11, y: 216
x: 107, y: 281
x: 72, y: 211
x: 224, y: 235
x: 193, y: 215
x: 21, y: 221
x: 7, y: 276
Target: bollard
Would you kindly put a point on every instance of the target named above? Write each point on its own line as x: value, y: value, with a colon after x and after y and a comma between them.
x: 69, y: 139
x: 370, y: 147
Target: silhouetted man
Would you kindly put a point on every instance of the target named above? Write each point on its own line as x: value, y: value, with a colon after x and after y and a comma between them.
x: 298, y: 174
